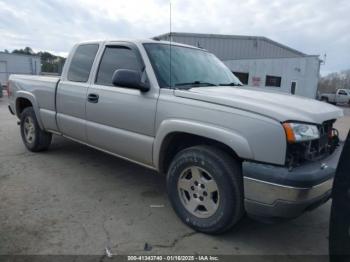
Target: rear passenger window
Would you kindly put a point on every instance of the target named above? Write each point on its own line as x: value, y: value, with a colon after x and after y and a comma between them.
x: 81, y: 63
x: 115, y: 57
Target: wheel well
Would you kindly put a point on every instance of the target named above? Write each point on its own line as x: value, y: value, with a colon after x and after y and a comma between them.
x: 21, y: 104
x: 175, y: 142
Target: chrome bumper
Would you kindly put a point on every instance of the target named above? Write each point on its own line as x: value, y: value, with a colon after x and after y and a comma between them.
x: 265, y: 199
x: 287, y: 194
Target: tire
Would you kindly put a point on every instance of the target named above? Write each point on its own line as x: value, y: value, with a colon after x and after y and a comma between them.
x: 34, y: 138
x: 225, y: 204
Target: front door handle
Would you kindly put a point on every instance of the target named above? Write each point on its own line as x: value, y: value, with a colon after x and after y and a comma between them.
x: 93, y: 98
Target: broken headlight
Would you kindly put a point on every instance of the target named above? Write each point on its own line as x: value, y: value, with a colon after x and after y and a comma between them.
x: 299, y: 132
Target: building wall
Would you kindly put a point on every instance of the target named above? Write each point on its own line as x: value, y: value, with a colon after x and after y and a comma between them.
x: 18, y: 64
x: 303, y: 70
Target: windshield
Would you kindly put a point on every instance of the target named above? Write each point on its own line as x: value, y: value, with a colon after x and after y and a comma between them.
x: 189, y: 67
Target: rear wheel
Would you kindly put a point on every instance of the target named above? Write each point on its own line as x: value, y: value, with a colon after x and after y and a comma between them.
x: 324, y: 99
x: 33, y: 137
x: 205, y: 188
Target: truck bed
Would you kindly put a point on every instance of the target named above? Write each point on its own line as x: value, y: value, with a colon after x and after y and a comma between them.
x: 330, y: 96
x: 43, y: 88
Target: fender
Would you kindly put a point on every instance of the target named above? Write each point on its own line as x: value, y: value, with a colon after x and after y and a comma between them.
x: 31, y: 98
x: 228, y: 137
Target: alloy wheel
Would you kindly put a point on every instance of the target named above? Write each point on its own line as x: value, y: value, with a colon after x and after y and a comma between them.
x: 198, y: 192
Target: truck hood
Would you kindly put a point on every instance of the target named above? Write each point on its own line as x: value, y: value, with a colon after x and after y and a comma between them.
x: 277, y: 105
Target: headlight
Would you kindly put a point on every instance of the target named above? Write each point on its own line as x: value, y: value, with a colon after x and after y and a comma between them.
x: 298, y: 132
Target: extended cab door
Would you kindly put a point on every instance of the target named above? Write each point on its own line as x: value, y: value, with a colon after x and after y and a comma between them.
x: 121, y: 120
x: 72, y: 90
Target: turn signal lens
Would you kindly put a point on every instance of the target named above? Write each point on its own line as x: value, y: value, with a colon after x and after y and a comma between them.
x: 289, y: 132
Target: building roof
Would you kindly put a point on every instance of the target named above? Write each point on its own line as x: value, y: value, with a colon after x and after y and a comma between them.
x: 234, y: 46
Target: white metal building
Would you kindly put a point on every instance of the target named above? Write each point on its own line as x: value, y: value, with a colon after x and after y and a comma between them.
x: 259, y: 61
x: 18, y: 64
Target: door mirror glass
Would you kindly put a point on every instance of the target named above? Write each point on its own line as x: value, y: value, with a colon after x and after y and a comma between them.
x: 130, y: 79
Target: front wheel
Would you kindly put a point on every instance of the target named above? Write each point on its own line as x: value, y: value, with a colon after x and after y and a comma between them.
x: 34, y: 138
x: 205, y: 189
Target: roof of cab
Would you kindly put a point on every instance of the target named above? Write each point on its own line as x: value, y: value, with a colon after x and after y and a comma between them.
x: 136, y: 41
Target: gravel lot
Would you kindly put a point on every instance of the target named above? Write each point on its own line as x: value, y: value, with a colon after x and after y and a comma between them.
x: 76, y: 200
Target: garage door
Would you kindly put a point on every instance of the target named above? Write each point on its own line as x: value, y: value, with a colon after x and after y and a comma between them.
x: 3, y: 72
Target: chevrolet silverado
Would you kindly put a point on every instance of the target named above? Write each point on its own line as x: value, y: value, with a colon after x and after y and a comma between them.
x: 226, y: 150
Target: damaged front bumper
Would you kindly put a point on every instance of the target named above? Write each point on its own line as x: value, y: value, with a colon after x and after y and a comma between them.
x: 277, y: 192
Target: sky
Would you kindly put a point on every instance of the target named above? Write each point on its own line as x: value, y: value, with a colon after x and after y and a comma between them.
x: 311, y: 26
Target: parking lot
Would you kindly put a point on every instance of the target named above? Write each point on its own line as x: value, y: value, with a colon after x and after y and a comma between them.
x: 76, y: 200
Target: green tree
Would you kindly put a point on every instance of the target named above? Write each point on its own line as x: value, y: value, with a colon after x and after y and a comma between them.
x: 26, y: 51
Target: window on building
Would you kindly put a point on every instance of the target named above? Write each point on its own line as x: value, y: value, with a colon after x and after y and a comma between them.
x: 81, y: 63
x: 243, y: 77
x: 115, y: 57
x: 274, y: 81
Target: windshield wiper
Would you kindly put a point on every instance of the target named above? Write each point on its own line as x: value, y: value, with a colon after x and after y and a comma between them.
x: 195, y: 83
x: 231, y: 84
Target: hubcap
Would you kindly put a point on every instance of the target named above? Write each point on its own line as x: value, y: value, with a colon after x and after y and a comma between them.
x: 29, y: 129
x: 198, y: 192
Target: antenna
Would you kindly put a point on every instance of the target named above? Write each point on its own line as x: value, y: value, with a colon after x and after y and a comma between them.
x: 323, y: 61
x: 170, y: 39
x: 170, y: 19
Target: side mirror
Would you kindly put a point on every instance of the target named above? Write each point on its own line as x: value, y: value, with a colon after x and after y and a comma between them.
x: 129, y: 78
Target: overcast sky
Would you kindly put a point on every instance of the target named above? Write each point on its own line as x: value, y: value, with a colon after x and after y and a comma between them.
x: 311, y: 26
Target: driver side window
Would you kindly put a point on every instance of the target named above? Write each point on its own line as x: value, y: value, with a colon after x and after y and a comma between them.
x: 114, y: 58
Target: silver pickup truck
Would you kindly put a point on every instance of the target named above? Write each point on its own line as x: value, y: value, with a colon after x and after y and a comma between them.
x: 226, y: 150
